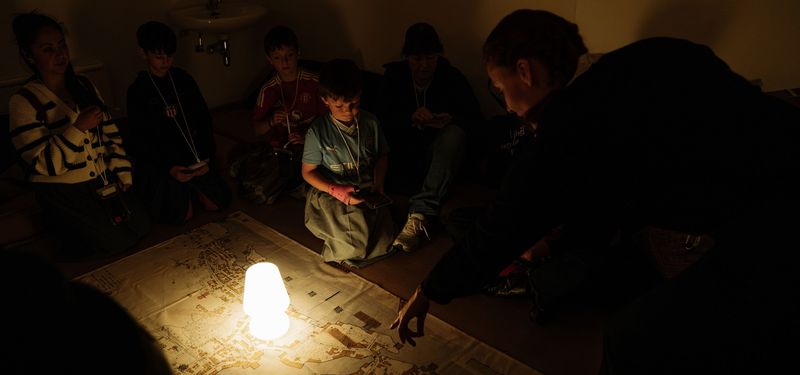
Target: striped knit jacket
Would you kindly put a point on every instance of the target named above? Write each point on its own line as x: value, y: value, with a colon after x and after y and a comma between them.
x: 57, y: 152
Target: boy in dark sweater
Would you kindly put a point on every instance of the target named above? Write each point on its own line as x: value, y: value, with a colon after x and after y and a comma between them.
x: 172, y: 139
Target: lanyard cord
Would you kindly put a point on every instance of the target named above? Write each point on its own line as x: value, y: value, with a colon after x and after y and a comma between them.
x: 99, y: 159
x: 294, y: 100
x: 357, y: 159
x: 416, y: 97
x: 189, y: 140
x: 101, y: 174
x: 420, y: 88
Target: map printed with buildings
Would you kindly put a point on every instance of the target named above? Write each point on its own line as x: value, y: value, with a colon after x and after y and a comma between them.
x: 187, y: 293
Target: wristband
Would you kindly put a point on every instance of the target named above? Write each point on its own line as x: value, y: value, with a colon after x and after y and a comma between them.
x: 340, y: 192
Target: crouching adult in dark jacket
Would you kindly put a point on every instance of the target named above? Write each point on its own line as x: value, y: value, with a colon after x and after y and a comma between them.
x: 658, y: 133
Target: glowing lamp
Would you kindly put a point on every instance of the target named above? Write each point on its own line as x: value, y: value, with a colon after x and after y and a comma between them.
x: 265, y: 301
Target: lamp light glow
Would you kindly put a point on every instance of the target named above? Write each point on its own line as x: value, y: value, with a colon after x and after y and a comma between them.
x: 265, y: 300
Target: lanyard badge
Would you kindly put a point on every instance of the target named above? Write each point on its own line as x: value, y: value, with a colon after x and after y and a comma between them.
x: 107, y: 191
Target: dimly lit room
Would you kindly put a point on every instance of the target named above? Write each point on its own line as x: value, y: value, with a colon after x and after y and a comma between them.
x: 400, y: 187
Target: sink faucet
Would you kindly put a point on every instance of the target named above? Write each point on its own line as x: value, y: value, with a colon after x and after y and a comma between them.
x: 222, y: 46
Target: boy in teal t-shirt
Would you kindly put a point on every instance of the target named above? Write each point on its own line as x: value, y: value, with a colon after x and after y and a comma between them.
x: 345, y: 152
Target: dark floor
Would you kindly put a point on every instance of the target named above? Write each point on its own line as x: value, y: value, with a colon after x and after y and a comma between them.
x: 569, y: 345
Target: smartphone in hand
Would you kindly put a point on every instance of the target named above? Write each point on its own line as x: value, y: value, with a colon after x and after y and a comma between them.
x: 440, y: 120
x: 194, y: 167
x: 373, y: 199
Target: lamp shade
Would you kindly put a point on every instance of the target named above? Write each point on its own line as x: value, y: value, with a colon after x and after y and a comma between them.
x: 265, y: 301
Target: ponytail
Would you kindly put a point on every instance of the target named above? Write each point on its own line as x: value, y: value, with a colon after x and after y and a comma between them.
x: 81, y: 89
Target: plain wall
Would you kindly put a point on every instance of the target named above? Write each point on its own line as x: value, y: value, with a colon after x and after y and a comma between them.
x: 105, y: 31
x: 758, y: 38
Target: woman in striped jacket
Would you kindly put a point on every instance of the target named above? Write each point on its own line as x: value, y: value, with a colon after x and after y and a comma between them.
x: 70, y: 148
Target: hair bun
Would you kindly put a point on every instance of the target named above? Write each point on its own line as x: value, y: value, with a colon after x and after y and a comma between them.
x: 26, y: 27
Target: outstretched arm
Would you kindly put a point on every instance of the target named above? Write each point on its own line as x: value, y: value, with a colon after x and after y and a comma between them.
x: 524, y: 210
x: 416, y: 307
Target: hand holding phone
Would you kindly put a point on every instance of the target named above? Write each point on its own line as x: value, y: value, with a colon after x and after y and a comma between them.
x: 373, y: 199
x: 439, y: 120
x: 194, y: 167
x: 179, y: 173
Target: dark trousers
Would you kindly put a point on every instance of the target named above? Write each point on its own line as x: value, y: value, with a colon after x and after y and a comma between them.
x: 168, y: 200
x: 85, y: 224
x: 425, y: 168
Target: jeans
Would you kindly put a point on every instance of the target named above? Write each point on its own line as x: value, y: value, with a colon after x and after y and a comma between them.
x: 445, y: 154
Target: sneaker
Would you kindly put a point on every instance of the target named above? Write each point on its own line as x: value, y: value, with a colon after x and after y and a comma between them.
x: 411, y: 236
x: 512, y: 285
x: 514, y: 280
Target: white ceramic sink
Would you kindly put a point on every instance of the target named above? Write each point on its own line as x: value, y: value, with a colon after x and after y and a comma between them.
x: 229, y: 16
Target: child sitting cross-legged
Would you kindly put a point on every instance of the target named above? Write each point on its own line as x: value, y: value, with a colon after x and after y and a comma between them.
x: 172, y: 138
x: 289, y: 101
x: 285, y: 107
x: 345, y: 153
